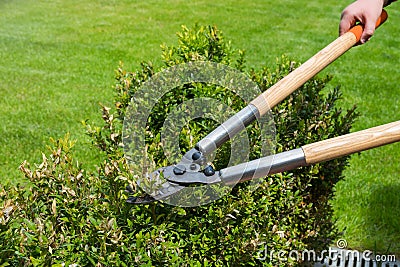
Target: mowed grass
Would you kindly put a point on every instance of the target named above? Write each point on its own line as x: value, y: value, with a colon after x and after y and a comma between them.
x: 57, y: 62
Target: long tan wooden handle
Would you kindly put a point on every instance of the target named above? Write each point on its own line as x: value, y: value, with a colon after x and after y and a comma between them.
x: 352, y: 143
x: 275, y: 94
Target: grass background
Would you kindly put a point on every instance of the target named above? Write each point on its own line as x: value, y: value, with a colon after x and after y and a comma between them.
x: 57, y: 62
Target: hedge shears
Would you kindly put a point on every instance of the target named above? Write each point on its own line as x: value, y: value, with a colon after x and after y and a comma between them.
x: 195, y: 169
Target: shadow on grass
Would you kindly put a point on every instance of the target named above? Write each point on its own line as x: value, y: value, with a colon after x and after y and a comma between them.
x: 383, y: 219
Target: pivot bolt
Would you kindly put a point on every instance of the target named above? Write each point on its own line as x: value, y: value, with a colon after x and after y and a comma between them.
x: 193, y: 166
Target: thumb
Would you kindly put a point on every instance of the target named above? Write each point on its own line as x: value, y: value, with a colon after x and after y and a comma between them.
x: 347, y: 20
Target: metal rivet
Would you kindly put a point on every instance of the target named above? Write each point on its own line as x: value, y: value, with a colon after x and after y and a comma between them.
x: 209, y: 171
x: 196, y: 156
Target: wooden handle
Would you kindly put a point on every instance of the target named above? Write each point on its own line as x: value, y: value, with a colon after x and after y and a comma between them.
x: 276, y: 93
x: 352, y: 143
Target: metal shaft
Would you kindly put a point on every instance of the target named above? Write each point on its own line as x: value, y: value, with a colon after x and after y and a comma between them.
x: 228, y: 130
x: 258, y: 168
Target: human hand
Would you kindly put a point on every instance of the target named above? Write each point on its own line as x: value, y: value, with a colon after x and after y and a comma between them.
x: 366, y: 12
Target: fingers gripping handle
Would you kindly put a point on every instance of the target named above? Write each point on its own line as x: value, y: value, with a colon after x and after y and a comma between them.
x: 352, y: 143
x: 358, y: 29
x: 279, y: 91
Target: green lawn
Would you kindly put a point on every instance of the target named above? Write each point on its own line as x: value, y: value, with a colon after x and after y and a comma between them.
x: 57, y: 62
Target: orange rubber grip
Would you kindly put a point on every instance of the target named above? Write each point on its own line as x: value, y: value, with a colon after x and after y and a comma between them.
x: 358, y: 29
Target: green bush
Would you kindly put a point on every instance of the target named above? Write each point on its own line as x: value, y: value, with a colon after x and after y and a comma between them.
x: 68, y: 216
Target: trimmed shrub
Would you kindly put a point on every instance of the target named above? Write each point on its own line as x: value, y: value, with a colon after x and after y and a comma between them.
x: 67, y: 216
